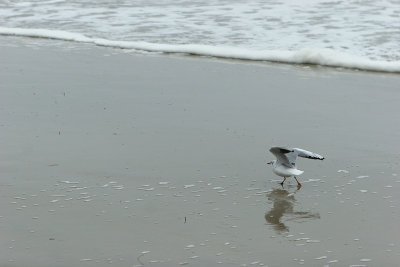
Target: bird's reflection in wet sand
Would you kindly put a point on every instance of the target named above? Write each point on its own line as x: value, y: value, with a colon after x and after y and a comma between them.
x: 283, y: 203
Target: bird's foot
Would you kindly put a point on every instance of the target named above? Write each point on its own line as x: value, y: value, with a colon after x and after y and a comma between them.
x: 284, y: 179
x: 298, y: 184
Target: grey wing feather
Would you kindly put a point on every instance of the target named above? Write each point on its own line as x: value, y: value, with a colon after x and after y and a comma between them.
x: 291, y: 155
x: 307, y: 154
x: 281, y: 155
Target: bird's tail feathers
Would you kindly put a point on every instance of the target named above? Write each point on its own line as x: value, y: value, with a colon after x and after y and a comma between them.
x: 296, y: 172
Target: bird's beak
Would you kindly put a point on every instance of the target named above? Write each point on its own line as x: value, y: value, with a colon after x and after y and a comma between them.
x: 269, y: 163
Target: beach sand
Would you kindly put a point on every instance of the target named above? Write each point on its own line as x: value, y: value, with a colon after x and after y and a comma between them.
x: 113, y: 158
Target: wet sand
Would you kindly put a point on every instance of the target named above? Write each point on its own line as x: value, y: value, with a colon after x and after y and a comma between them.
x: 119, y: 159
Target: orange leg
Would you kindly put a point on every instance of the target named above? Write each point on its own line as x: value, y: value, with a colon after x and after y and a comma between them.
x: 298, y: 184
x: 284, y: 179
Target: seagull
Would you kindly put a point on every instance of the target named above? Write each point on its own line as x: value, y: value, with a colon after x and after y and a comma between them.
x: 285, y: 163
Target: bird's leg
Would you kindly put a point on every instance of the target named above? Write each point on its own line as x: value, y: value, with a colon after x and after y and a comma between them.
x: 298, y: 184
x: 284, y: 179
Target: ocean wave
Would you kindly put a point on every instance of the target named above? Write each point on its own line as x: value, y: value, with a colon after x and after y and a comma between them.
x: 324, y: 57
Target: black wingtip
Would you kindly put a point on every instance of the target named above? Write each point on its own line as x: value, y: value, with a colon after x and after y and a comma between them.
x: 310, y: 157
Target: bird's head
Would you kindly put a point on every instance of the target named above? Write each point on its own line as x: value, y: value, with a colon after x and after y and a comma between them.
x: 271, y: 162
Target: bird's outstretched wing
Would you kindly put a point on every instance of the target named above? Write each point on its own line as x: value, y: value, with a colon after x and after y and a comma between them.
x: 307, y: 154
x: 298, y: 152
x: 280, y: 154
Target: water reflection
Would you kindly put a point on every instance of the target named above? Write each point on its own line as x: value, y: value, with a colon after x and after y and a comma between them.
x: 283, y: 206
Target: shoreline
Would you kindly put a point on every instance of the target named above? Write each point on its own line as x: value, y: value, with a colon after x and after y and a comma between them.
x: 313, y: 57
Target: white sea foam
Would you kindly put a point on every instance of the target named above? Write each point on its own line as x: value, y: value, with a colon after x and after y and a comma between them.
x: 325, y: 57
x: 365, y: 260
